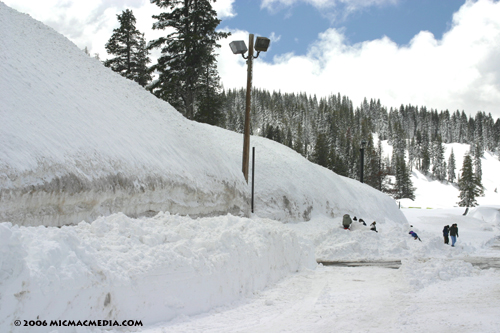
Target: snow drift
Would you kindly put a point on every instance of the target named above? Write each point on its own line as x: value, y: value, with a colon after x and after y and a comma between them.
x: 150, y: 269
x: 79, y: 141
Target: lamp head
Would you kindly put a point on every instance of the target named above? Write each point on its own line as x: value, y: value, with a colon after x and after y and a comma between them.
x: 262, y: 44
x: 238, y: 47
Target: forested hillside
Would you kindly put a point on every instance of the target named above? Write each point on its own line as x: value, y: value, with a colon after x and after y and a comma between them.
x: 329, y: 132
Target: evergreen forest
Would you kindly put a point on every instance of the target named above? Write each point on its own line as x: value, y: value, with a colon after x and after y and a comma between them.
x: 329, y: 131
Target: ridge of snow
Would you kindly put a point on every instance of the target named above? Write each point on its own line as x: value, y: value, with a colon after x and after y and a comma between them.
x: 79, y: 141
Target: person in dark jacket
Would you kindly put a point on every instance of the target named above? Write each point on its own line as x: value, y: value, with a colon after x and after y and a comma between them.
x: 414, y: 235
x: 373, y: 226
x: 446, y: 231
x: 453, y: 234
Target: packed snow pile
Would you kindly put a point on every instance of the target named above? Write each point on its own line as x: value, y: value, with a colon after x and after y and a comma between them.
x: 490, y: 215
x: 79, y: 141
x: 422, y: 273
x: 149, y: 269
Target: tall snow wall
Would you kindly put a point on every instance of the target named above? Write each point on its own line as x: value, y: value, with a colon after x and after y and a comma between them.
x: 79, y: 141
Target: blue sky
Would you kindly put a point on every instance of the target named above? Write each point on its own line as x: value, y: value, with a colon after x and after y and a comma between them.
x: 442, y: 54
x: 299, y: 24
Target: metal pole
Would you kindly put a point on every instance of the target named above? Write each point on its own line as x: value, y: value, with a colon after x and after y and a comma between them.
x: 246, y: 138
x: 253, y: 175
x: 362, y: 163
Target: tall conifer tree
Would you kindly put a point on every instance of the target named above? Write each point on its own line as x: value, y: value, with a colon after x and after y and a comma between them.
x: 478, y: 169
x: 404, y: 186
x: 451, y: 167
x: 209, y: 101
x: 467, y: 184
x: 128, y: 46
x: 186, y: 52
x: 439, y: 164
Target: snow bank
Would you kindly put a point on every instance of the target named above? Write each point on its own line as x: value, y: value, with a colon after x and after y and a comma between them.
x: 488, y: 214
x: 333, y: 243
x: 290, y: 188
x: 79, y: 141
x: 422, y: 273
x: 147, y: 269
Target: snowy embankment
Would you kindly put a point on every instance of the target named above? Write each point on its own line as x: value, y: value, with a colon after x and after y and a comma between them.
x: 150, y: 269
x: 79, y: 141
x: 85, y: 149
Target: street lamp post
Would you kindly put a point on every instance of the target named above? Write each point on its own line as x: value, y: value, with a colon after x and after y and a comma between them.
x: 362, y: 150
x: 239, y: 47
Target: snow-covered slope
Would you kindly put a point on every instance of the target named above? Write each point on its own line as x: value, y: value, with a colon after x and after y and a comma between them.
x: 79, y: 141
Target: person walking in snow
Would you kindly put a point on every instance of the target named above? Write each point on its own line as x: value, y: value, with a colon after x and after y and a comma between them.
x: 346, y: 221
x: 373, y: 227
x: 453, y: 233
x: 446, y: 231
x: 414, y: 235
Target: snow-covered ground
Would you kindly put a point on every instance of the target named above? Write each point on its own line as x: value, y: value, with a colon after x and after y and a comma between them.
x: 235, y: 274
x: 115, y: 208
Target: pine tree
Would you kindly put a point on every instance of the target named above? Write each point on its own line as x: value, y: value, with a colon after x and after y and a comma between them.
x: 404, y: 186
x: 298, y: 144
x: 467, y: 184
x: 381, y: 174
x: 426, y: 157
x: 320, y: 154
x: 478, y: 170
x: 128, y: 46
x: 337, y: 164
x: 451, y: 167
x: 439, y: 164
x: 209, y: 101
x: 186, y: 52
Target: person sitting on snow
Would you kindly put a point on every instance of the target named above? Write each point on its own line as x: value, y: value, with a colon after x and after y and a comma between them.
x: 362, y: 221
x: 346, y: 222
x: 415, y: 236
x: 373, y: 227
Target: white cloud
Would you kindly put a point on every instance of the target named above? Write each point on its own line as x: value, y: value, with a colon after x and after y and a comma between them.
x: 460, y: 71
x: 90, y: 23
x: 346, y: 6
x: 224, y: 8
x: 333, y: 10
x: 274, y: 38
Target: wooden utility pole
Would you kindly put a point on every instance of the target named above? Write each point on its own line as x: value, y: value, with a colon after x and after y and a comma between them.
x: 246, y: 138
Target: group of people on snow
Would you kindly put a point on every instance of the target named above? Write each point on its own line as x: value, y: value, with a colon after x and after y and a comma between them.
x: 452, y: 231
x: 346, y: 222
x: 447, y: 230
